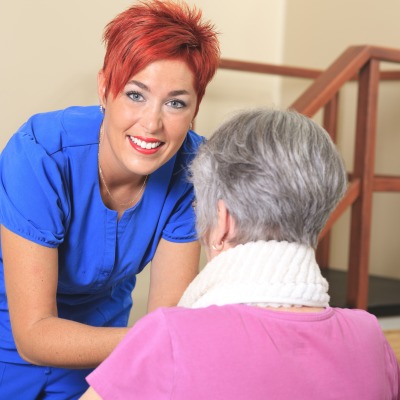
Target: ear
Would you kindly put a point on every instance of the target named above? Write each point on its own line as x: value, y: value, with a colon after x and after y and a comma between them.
x: 101, y: 88
x: 225, y: 229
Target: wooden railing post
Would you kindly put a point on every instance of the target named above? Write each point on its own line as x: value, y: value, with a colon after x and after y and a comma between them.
x: 330, y: 124
x: 360, y: 234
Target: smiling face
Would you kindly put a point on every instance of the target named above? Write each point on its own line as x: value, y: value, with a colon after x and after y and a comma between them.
x: 145, y: 124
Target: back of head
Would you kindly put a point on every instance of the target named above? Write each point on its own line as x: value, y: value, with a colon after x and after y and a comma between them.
x: 278, y: 172
x: 156, y: 30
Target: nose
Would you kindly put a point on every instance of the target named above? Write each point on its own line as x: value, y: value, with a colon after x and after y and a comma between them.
x: 151, y: 119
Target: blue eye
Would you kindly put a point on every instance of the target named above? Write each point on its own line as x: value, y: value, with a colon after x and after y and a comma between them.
x: 177, y: 103
x: 135, y: 96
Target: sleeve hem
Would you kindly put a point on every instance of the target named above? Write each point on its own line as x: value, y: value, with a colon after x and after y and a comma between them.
x: 38, y: 240
x: 181, y: 239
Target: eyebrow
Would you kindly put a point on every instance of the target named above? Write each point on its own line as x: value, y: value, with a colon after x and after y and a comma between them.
x: 145, y: 87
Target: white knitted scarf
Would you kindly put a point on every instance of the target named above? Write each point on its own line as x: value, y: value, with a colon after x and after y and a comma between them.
x: 274, y: 274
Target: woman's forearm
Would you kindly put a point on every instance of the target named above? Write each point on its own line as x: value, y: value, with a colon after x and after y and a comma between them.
x: 31, y: 277
x: 67, y: 344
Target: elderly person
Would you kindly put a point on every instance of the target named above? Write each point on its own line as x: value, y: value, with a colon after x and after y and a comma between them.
x: 256, y: 322
x: 90, y: 195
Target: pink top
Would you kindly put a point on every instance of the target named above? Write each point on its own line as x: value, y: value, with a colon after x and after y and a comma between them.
x: 241, y: 352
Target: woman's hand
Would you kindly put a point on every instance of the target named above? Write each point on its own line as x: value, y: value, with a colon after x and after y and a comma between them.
x: 31, y: 277
x: 173, y: 267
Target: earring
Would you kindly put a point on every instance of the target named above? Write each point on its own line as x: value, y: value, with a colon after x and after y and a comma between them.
x: 220, y: 245
x: 102, y: 109
x: 191, y: 126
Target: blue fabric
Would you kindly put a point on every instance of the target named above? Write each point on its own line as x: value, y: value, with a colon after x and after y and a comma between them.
x: 29, y: 382
x: 49, y: 194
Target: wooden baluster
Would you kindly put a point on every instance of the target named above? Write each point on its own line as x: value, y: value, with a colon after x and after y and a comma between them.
x: 330, y: 124
x: 360, y: 236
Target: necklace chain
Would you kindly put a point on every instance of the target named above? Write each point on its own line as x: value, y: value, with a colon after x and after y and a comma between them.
x: 104, y: 181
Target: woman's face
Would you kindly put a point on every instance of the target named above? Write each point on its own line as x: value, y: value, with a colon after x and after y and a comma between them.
x: 145, y: 124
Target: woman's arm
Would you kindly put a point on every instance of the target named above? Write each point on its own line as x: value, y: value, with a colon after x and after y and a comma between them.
x: 31, y: 276
x: 173, y: 267
x: 90, y: 394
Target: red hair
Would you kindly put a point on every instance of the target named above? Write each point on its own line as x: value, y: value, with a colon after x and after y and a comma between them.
x: 157, y: 30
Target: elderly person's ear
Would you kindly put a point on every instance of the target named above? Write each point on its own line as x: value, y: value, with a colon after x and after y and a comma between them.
x: 224, y: 230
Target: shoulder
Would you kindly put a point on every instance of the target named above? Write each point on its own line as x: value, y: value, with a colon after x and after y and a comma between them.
x: 355, y: 314
x: 54, y: 130
x: 192, y: 322
x: 166, y: 317
x: 364, y: 323
x: 184, y: 157
x: 193, y: 140
x: 190, y: 146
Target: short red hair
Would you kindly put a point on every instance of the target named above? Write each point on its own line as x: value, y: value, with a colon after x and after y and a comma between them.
x: 157, y: 30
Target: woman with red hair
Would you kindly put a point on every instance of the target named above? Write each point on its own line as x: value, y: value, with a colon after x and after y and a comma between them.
x: 90, y: 195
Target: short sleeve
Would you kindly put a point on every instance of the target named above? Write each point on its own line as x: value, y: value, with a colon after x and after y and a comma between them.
x: 391, y: 364
x: 141, y: 366
x: 393, y: 370
x: 181, y: 226
x: 33, y: 200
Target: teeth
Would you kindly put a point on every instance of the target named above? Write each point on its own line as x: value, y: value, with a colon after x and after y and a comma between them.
x: 145, y: 145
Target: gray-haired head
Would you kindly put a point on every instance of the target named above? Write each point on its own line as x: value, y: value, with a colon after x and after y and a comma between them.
x: 278, y: 172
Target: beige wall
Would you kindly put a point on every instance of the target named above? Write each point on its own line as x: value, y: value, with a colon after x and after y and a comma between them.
x: 51, y: 52
x: 250, y: 30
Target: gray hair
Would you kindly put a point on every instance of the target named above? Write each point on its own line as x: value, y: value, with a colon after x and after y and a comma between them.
x: 278, y: 172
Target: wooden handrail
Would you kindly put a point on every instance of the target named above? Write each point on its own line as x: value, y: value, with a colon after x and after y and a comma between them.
x: 331, y: 81
x: 288, y: 71
x: 340, y: 72
x: 384, y: 53
x: 390, y: 76
x: 386, y: 183
x: 271, y: 69
x: 350, y: 197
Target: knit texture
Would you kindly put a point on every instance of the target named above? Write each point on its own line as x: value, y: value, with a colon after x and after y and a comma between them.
x: 274, y: 274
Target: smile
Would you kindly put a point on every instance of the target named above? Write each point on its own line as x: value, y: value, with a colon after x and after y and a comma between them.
x: 145, y: 145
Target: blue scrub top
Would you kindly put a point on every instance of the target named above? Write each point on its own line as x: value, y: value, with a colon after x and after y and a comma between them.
x: 50, y: 194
